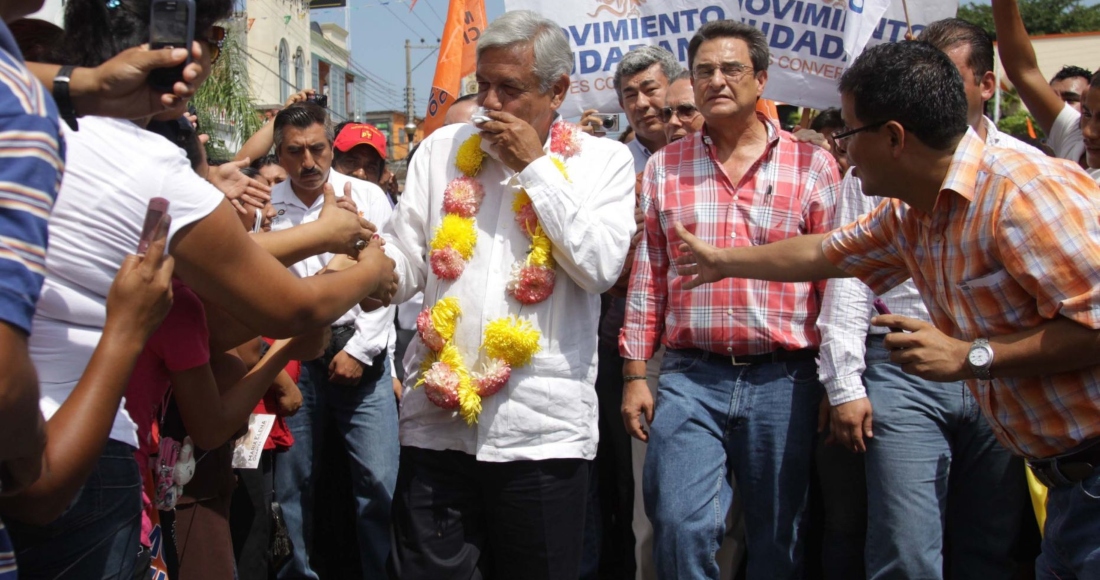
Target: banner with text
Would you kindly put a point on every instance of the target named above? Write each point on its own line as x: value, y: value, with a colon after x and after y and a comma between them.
x: 811, y: 41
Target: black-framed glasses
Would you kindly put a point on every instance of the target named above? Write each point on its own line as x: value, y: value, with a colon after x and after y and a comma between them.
x: 731, y: 71
x: 840, y: 136
x: 685, y: 112
x: 215, y: 42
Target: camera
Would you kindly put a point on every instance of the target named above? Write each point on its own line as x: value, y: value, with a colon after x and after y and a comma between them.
x: 610, y: 122
x: 319, y: 100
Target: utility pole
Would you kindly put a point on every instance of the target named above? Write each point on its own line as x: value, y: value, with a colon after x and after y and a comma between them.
x: 410, y: 107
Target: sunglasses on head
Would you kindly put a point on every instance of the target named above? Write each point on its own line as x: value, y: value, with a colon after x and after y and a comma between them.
x: 214, y: 42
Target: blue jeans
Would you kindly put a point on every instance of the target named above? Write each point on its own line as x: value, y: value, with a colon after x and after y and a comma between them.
x: 367, y: 418
x: 935, y: 468
x: 99, y: 536
x: 711, y: 419
x: 1071, y: 538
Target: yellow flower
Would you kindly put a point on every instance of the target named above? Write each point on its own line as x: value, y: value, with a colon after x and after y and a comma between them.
x: 445, y: 315
x: 469, y: 402
x: 561, y: 167
x: 470, y: 156
x: 512, y: 340
x: 541, y: 249
x: 456, y: 232
x: 520, y: 200
x: 429, y: 360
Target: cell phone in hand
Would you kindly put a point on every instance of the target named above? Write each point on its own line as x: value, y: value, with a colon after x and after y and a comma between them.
x: 154, y: 214
x: 881, y: 308
x: 171, y: 25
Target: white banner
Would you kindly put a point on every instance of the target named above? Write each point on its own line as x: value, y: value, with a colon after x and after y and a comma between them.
x: 810, y: 40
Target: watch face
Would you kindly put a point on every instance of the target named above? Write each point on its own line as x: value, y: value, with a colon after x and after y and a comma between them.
x: 979, y: 357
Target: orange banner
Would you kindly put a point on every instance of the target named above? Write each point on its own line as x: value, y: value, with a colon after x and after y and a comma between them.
x: 457, y: 58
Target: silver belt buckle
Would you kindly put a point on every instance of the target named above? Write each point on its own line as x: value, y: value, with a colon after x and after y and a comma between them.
x: 733, y: 361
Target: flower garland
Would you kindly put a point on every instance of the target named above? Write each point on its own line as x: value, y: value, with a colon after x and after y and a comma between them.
x: 509, y: 342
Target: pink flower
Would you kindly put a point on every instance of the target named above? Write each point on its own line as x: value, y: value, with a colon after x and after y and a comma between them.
x: 463, y: 197
x: 441, y: 386
x: 426, y: 329
x: 493, y: 377
x: 531, y: 284
x: 447, y: 263
x: 564, y: 139
x: 527, y: 219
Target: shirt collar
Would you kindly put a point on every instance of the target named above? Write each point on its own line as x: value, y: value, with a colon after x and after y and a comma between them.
x: 992, y: 134
x: 7, y: 42
x: 284, y: 193
x: 962, y: 175
x: 769, y: 125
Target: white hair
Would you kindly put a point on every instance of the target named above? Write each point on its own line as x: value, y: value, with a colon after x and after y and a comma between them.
x: 553, y: 57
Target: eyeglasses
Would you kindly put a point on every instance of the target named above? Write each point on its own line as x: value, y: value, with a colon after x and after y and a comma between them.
x: 732, y: 71
x: 685, y: 112
x: 215, y: 41
x: 840, y: 136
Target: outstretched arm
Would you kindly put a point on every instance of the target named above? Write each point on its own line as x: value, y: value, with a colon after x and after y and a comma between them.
x: 1022, y: 67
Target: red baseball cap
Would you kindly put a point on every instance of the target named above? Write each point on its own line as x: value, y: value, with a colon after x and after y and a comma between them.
x: 355, y: 134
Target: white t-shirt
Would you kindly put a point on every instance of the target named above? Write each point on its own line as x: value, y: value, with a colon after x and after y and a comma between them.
x: 1066, y: 139
x: 113, y: 169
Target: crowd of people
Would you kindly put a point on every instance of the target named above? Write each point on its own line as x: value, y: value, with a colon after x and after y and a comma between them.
x: 712, y: 348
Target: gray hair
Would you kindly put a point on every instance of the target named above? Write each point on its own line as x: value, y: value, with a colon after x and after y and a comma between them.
x: 303, y: 116
x: 641, y: 59
x: 553, y: 57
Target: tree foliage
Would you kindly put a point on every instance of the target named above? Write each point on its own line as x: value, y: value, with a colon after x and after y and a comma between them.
x: 223, y: 103
x: 1040, y: 16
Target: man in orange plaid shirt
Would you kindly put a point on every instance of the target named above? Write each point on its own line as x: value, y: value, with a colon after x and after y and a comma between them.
x: 1005, y: 249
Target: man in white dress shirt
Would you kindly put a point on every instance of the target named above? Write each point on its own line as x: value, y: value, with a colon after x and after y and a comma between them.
x: 502, y: 493
x: 915, y: 432
x: 351, y: 383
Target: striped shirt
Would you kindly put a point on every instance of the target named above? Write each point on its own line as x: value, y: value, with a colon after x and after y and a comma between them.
x: 1012, y: 242
x: 789, y: 191
x: 8, y: 570
x: 31, y: 162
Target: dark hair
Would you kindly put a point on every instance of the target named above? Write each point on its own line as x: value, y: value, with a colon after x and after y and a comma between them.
x: 1069, y: 72
x: 303, y: 116
x: 340, y: 127
x: 950, y: 32
x: 1094, y: 82
x: 37, y: 39
x: 758, y: 43
x: 264, y: 161
x: 181, y: 133
x: 826, y: 119
x: 913, y: 83
x: 250, y: 171
x: 94, y: 33
x: 684, y: 75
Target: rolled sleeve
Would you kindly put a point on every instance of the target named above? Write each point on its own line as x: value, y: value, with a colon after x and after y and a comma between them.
x: 866, y: 249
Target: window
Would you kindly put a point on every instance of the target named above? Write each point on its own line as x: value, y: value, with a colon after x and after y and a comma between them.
x: 284, y: 70
x: 299, y: 70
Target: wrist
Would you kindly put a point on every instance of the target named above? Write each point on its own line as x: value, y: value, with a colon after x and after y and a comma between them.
x: 126, y: 336
x: 84, y: 86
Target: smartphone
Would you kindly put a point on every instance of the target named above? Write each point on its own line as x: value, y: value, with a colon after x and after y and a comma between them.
x: 154, y: 214
x: 259, y: 221
x: 171, y: 25
x: 610, y: 122
x: 880, y: 306
x: 319, y: 100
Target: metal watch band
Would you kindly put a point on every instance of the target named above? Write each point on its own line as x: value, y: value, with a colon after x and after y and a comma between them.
x: 981, y: 372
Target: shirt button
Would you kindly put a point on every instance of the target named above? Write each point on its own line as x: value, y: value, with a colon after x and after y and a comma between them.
x: 730, y: 312
x: 729, y: 349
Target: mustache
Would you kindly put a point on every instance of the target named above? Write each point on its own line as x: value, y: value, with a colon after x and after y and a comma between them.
x: 309, y: 172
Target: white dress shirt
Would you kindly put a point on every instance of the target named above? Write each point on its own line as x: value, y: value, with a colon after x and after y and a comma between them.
x: 640, y: 153
x: 548, y: 409
x: 374, y: 330
x: 846, y: 306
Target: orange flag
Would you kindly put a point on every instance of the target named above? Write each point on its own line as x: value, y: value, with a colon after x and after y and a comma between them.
x: 1030, y: 128
x: 457, y: 58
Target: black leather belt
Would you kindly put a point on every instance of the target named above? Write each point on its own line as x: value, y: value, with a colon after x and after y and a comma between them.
x: 776, y: 356
x: 1069, y: 469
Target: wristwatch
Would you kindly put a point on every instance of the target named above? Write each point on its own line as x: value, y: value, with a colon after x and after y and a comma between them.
x: 61, y: 96
x: 980, y: 359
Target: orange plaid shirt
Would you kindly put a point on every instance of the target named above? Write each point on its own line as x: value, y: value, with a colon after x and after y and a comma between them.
x: 1013, y: 241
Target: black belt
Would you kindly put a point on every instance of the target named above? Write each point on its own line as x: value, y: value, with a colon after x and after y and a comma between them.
x: 776, y: 356
x: 1069, y: 469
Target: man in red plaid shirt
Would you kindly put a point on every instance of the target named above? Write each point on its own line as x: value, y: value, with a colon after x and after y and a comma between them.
x: 738, y: 387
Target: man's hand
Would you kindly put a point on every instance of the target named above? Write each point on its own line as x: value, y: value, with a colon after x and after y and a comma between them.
x: 851, y: 423
x: 288, y: 398
x: 240, y: 189
x: 592, y: 123
x: 811, y: 136
x: 119, y: 87
x: 516, y: 143
x: 637, y: 400
x: 923, y: 350
x: 697, y: 258
x: 387, y: 275
x: 398, y: 390
x: 299, y: 97
x: 343, y: 227
x: 345, y: 370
